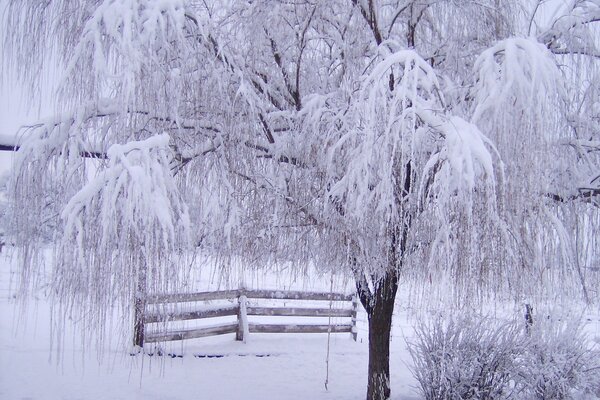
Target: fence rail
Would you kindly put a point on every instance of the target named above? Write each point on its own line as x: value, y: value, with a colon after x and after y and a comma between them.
x: 187, y: 315
x: 251, y: 294
x: 242, y: 310
x: 193, y: 333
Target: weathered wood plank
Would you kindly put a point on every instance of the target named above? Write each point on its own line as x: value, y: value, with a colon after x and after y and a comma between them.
x: 189, y: 297
x: 294, y: 328
x: 251, y: 294
x: 355, y: 302
x: 299, y: 312
x: 140, y: 307
x: 186, y: 315
x: 295, y: 295
x: 191, y: 333
x: 242, y: 330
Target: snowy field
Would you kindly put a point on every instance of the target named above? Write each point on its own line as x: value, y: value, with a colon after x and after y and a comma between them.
x: 268, y: 366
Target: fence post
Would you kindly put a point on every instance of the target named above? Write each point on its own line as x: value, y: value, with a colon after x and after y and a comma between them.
x: 528, y: 318
x: 242, y: 330
x: 354, y: 316
x: 140, y: 309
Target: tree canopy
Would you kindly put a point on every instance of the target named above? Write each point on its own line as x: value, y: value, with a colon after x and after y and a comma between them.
x: 394, y: 140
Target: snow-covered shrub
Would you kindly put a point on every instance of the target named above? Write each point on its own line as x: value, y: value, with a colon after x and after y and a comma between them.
x: 478, y: 358
x: 558, y: 363
x: 465, y: 358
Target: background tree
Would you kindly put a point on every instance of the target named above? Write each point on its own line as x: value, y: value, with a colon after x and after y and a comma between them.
x: 398, y: 140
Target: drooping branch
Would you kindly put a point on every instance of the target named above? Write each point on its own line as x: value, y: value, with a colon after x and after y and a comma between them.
x: 576, y: 51
x: 6, y: 146
x: 586, y: 195
x: 83, y: 153
x: 93, y: 112
x: 370, y: 17
x: 277, y: 56
x: 558, y: 37
x: 362, y: 286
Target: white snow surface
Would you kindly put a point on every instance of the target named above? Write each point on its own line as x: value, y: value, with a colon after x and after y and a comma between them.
x: 268, y: 366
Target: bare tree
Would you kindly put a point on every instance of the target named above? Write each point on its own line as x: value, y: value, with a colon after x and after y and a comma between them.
x: 394, y: 140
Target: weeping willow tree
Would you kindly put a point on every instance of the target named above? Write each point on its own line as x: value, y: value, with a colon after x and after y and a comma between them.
x: 395, y: 141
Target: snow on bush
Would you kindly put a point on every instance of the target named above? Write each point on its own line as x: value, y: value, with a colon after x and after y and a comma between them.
x: 464, y: 358
x: 558, y: 363
x: 473, y: 358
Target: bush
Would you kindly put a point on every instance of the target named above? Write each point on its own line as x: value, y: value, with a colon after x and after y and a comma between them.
x: 464, y: 359
x: 558, y: 363
x: 467, y: 358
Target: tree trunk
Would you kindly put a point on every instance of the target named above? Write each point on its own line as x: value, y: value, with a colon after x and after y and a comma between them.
x: 379, y: 305
x: 380, y: 326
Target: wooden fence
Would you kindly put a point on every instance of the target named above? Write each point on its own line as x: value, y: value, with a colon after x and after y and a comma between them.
x: 242, y: 309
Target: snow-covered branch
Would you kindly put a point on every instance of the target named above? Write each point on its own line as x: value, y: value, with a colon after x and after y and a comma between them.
x: 573, y: 29
x: 515, y: 70
x: 585, y: 195
x: 121, y: 229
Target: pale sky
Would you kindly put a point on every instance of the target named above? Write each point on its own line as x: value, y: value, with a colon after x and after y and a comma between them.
x: 13, y: 111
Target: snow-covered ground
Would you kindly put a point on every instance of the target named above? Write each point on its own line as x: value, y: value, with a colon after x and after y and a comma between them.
x: 269, y: 366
